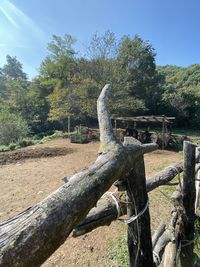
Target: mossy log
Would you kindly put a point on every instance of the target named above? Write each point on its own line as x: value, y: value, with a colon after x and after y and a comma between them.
x: 29, y: 238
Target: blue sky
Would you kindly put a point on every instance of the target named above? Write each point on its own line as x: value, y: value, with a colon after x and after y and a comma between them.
x: 172, y: 26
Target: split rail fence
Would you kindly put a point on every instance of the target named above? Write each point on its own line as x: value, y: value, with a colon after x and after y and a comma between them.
x: 82, y: 205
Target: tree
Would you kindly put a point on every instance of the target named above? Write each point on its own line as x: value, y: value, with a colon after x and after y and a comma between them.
x: 137, y: 75
x: 57, y: 72
x: 102, y: 46
x: 101, y: 58
x: 12, y: 127
x: 60, y: 64
x: 87, y: 92
x: 13, y: 69
x: 181, y: 95
x: 63, y: 102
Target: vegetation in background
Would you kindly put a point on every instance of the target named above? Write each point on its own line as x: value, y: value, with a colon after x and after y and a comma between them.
x: 37, y: 139
x: 68, y: 85
x: 118, y: 250
x: 12, y: 128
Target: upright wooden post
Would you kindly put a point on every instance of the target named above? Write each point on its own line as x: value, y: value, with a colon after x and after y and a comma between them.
x: 163, y: 132
x: 68, y: 126
x: 189, y: 194
x: 116, y: 127
x: 139, y: 232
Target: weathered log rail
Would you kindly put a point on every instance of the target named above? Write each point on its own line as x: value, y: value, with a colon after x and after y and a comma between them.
x: 29, y: 238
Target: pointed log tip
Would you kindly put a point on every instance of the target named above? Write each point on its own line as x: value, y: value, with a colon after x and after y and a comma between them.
x: 107, y: 137
x: 104, y: 92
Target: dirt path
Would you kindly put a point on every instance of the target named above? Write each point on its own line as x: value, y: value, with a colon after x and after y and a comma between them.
x: 25, y: 181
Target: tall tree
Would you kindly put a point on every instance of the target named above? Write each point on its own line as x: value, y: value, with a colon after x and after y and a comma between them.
x: 60, y: 64
x: 101, y: 54
x: 137, y: 73
x: 181, y: 96
x: 13, y: 69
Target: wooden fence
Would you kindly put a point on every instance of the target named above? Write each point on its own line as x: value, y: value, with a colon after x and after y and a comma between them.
x: 81, y: 205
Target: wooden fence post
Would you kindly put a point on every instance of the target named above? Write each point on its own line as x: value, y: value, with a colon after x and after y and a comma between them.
x: 188, y: 192
x: 139, y: 232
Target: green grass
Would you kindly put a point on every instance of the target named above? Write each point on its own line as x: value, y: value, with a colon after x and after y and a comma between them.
x: 30, y: 141
x: 197, y: 244
x: 118, y: 252
x: 189, y: 132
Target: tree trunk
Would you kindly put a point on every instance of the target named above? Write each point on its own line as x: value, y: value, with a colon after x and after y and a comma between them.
x: 189, y: 194
x: 105, y: 211
x: 139, y: 231
x: 29, y: 238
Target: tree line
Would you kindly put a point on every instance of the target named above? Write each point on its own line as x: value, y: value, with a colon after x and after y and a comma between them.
x: 68, y: 84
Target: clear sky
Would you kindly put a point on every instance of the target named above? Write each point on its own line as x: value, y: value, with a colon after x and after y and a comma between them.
x: 171, y: 26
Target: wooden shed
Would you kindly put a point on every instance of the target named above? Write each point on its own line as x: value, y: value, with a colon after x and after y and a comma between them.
x: 163, y: 120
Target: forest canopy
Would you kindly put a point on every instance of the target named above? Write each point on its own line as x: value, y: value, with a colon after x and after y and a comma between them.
x: 68, y: 84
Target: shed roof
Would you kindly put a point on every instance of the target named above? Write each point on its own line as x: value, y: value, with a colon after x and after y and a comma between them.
x: 159, y: 119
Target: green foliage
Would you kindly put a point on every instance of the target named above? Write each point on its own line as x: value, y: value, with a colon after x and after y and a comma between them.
x: 137, y: 72
x: 181, y: 94
x: 13, y: 69
x: 4, y: 148
x: 69, y: 85
x: 104, y: 47
x: 12, y: 128
x: 61, y: 47
x: 24, y: 142
x: 119, y: 252
x: 197, y: 245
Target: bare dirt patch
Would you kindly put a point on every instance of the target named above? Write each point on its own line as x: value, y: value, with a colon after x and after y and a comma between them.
x: 28, y: 180
x: 30, y: 153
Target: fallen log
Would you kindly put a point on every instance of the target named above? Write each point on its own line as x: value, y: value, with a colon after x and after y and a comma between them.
x: 104, y: 213
x: 97, y: 217
x: 170, y: 256
x: 170, y: 236
x: 160, y: 246
x: 29, y: 238
x: 157, y: 234
x: 164, y: 176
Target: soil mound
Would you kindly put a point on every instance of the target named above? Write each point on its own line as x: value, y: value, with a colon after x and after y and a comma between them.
x: 22, y: 154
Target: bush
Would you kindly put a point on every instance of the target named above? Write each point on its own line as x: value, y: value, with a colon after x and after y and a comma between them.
x: 4, y: 148
x: 25, y: 142
x: 12, y: 128
x: 12, y: 146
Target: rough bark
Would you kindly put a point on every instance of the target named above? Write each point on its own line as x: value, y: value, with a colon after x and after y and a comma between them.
x: 104, y: 213
x: 89, y: 223
x: 170, y: 255
x: 29, y: 238
x: 107, y: 137
x: 197, y: 155
x: 158, y: 232
x: 189, y: 194
x: 197, y: 200
x: 139, y: 231
x: 160, y: 246
x: 164, y: 176
x: 172, y: 233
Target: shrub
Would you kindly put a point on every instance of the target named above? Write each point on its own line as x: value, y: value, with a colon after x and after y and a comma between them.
x: 12, y: 128
x: 25, y: 142
x: 12, y: 146
x: 4, y: 148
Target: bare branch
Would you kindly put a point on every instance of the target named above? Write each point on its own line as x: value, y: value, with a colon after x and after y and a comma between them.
x: 158, y: 232
x: 106, y: 132
x: 164, y: 176
x: 170, y: 256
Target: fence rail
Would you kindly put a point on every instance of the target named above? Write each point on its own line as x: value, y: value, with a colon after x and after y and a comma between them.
x: 29, y: 238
